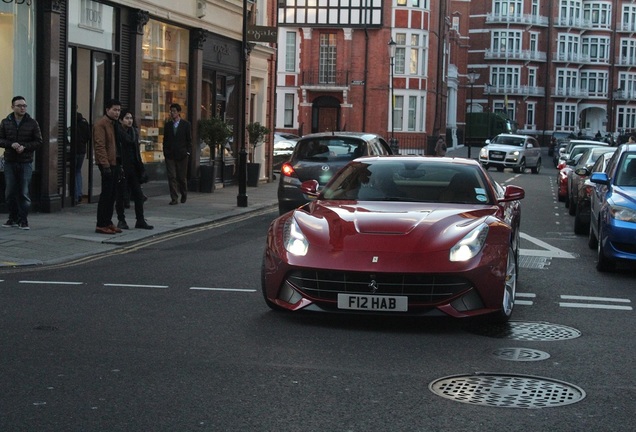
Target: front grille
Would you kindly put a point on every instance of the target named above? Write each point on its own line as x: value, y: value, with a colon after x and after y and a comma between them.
x: 497, y: 155
x: 419, y: 288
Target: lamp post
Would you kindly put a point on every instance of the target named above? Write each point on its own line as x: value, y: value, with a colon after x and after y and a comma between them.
x: 241, y: 198
x: 472, y: 77
x: 392, y: 141
x: 489, y: 90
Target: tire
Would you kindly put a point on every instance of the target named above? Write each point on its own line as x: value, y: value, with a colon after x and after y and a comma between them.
x: 510, y: 289
x: 603, y: 263
x: 572, y: 205
x: 284, y: 208
x: 580, y: 225
x: 500, y: 168
x: 592, y: 241
x: 521, y: 168
x: 272, y: 306
x: 537, y: 168
x: 485, y: 166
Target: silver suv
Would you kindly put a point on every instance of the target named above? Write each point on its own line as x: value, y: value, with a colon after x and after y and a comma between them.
x: 511, y: 151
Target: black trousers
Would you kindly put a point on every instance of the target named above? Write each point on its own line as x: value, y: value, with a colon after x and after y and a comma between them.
x: 131, y: 185
x: 107, y: 197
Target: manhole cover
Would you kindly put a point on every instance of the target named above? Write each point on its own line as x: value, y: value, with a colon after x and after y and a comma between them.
x: 520, y: 354
x: 527, y: 331
x: 507, y: 391
x: 533, y: 262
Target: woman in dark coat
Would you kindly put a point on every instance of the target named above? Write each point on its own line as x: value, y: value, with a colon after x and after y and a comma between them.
x: 133, y: 170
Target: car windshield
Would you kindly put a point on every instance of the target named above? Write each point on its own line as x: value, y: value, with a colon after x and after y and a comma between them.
x: 409, y: 181
x: 327, y: 149
x: 626, y: 174
x: 508, y: 140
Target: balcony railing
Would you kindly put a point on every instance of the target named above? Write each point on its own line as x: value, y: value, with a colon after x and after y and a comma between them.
x: 325, y: 79
x: 515, y: 55
x: 514, y: 90
x: 525, y: 19
x: 625, y: 61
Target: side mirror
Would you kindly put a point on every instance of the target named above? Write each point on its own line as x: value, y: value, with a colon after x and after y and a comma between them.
x: 310, y: 187
x: 513, y: 193
x: 599, y: 178
x: 487, y: 141
x: 582, y: 172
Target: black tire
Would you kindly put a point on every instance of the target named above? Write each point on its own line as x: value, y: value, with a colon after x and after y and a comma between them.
x: 592, y: 241
x: 500, y: 168
x: 537, y: 168
x: 510, y: 289
x: 521, y: 168
x: 580, y: 225
x: 284, y: 208
x: 272, y: 306
x: 603, y: 263
x: 572, y: 206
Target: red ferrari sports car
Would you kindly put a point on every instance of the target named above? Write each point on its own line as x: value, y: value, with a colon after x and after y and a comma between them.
x: 399, y: 235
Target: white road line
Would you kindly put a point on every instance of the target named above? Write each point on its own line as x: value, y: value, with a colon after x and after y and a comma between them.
x: 222, y: 289
x: 50, y: 282
x: 607, y: 299
x: 134, y: 285
x: 594, y: 306
x: 526, y: 295
x: 523, y: 302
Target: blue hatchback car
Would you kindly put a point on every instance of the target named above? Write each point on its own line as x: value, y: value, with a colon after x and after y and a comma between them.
x: 613, y: 209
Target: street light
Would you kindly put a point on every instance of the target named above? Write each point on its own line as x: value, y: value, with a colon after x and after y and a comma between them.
x: 472, y: 77
x: 392, y: 44
x: 489, y: 91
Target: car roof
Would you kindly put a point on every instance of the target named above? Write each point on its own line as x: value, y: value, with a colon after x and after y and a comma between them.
x: 596, y: 143
x: 514, y: 136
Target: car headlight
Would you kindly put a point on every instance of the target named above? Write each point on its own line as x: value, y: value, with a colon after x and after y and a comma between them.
x: 516, y: 153
x: 623, y: 213
x: 295, y: 241
x: 483, y: 152
x: 470, y: 245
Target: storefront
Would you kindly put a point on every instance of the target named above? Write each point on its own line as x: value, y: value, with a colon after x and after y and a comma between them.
x: 18, y: 48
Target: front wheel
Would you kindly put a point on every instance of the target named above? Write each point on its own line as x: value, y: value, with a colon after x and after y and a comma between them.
x: 603, y: 263
x: 510, y: 289
x: 580, y: 224
x: 521, y: 168
x: 537, y: 168
x: 592, y: 241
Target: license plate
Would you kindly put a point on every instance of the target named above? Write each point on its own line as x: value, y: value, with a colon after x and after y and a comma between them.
x: 373, y: 302
x: 497, y: 156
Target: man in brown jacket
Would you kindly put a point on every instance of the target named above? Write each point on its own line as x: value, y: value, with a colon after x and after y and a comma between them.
x: 106, y: 157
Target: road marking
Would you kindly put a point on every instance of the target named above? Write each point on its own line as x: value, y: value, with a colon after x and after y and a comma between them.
x: 550, y: 251
x: 134, y: 285
x: 595, y: 305
x: 524, y: 302
x: 222, y: 289
x: 50, y: 282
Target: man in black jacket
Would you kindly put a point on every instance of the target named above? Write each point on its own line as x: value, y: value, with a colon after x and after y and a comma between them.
x: 20, y: 136
x: 177, y: 146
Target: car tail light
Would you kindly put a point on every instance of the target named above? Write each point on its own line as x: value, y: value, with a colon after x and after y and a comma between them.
x: 588, y: 191
x: 287, y: 170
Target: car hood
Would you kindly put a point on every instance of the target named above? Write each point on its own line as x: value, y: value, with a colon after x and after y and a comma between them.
x: 624, y: 196
x: 353, y: 225
x: 503, y: 147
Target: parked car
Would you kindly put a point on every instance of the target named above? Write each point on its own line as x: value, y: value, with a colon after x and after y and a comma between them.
x: 407, y: 235
x: 583, y: 164
x: 565, y: 153
x: 511, y: 151
x: 318, y: 157
x: 583, y: 189
x: 558, y: 138
x: 566, y: 168
x: 284, y: 144
x: 613, y: 209
x: 557, y: 152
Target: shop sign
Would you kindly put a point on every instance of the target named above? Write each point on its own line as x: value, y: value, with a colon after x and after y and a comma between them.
x: 27, y: 2
x: 262, y: 34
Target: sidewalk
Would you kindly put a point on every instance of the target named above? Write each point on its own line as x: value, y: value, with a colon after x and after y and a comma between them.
x: 70, y: 234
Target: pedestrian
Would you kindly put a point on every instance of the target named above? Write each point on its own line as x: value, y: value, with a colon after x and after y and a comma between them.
x: 105, y: 145
x: 134, y: 172
x: 440, y: 147
x: 177, y: 145
x: 20, y: 136
x: 79, y: 142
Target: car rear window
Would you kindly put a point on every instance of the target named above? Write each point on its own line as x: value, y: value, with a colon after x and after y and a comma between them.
x: 329, y: 149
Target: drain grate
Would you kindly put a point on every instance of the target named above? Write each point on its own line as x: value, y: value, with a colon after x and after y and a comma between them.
x: 533, y: 262
x: 527, y: 331
x: 520, y: 354
x: 507, y: 391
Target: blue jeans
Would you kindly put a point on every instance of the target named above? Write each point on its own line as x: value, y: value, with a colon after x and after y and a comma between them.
x: 79, y: 161
x: 17, y: 177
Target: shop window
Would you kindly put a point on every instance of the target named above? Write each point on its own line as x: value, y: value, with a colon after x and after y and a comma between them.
x: 164, y: 81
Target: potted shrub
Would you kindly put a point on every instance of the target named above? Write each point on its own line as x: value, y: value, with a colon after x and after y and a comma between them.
x: 256, y: 133
x: 214, y: 132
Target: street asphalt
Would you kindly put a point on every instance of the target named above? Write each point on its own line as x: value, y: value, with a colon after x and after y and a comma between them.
x: 69, y: 234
